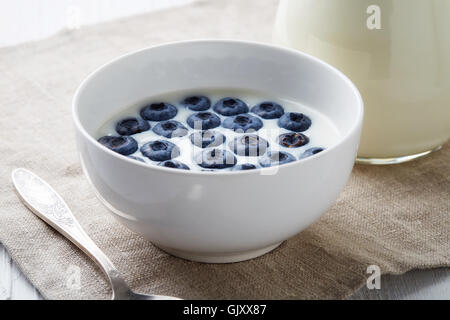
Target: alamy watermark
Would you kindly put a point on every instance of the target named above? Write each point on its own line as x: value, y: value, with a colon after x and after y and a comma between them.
x: 248, y: 145
x: 73, y: 18
x: 374, y: 19
x: 374, y: 280
x: 73, y: 280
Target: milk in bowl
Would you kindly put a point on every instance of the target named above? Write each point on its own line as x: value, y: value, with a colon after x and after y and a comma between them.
x: 218, y: 130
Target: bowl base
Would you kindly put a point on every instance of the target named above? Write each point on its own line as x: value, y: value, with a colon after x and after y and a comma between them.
x: 219, y: 257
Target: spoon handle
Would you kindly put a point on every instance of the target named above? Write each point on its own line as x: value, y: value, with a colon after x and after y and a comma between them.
x: 44, y: 202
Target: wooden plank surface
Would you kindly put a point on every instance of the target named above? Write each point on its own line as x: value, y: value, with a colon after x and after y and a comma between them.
x: 13, y: 284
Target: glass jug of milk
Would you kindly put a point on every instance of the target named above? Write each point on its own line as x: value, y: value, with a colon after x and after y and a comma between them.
x: 397, y: 52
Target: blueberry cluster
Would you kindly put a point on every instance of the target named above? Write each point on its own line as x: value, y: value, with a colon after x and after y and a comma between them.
x: 229, y: 113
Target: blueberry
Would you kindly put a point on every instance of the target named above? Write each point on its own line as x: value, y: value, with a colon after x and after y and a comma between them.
x: 197, y: 103
x: 170, y: 129
x: 230, y: 107
x: 136, y: 158
x: 276, y: 158
x: 243, y: 123
x: 122, y: 145
x: 293, y: 140
x: 215, y: 159
x: 159, y: 111
x: 203, y: 121
x: 310, y: 152
x: 245, y: 166
x: 207, y: 139
x: 160, y: 150
x: 129, y: 126
x: 268, y: 110
x: 249, y: 145
x: 173, y: 164
x: 295, y: 122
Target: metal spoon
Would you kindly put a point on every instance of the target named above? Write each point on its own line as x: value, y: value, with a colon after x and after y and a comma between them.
x: 44, y: 202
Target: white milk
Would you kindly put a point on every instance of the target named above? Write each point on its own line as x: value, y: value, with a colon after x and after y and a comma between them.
x: 401, y: 69
x: 322, y: 132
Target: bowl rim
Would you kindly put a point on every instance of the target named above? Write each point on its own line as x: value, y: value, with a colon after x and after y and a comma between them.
x: 357, y: 124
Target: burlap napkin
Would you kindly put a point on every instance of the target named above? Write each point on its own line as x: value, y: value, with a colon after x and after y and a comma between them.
x: 395, y: 217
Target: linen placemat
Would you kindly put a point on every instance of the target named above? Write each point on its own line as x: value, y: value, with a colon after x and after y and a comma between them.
x: 396, y: 217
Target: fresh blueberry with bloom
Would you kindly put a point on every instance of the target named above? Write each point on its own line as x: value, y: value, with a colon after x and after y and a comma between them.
x: 130, y: 126
x: 196, y: 103
x: 293, y: 140
x: 276, y: 158
x: 207, y: 139
x: 123, y: 145
x: 203, y: 121
x: 160, y: 150
x: 243, y: 167
x: 173, y: 164
x: 215, y: 159
x: 170, y: 129
x: 268, y: 110
x: 294, y: 121
x: 249, y: 145
x: 243, y: 123
x: 136, y: 158
x: 310, y: 152
x: 230, y: 107
x: 159, y: 111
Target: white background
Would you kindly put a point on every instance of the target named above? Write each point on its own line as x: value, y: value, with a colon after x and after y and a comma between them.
x: 25, y: 20
x: 28, y: 20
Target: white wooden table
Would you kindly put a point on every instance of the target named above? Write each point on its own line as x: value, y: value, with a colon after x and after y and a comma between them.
x: 13, y: 285
x: 430, y: 284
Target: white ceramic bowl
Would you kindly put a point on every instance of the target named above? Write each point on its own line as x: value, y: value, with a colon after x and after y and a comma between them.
x: 217, y: 216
